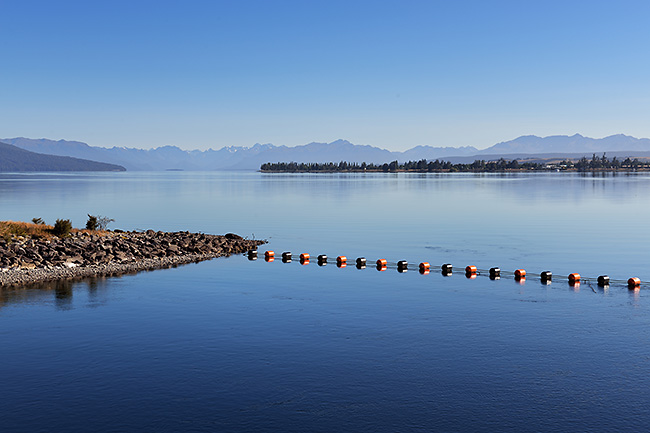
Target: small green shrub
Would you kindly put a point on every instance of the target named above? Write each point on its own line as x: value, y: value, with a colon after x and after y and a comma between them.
x: 92, y: 223
x: 62, y: 228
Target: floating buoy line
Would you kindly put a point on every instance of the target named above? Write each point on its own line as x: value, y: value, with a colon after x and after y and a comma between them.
x: 447, y: 270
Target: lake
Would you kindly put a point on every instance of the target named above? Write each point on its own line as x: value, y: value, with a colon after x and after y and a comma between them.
x: 234, y: 345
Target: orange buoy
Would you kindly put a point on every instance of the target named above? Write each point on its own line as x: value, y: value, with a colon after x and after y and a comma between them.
x: 633, y: 282
x: 304, y: 256
x: 424, y: 266
x: 574, y: 278
x: 341, y: 259
x: 382, y: 262
x: 269, y: 254
x: 471, y: 269
x: 304, y: 261
x: 520, y: 273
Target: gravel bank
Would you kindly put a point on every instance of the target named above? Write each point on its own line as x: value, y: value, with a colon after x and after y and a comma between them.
x: 25, y: 260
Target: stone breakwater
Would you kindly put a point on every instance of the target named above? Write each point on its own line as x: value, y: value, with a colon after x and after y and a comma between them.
x: 25, y: 260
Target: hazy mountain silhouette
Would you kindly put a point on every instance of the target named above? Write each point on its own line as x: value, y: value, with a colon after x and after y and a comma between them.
x: 13, y: 158
x: 250, y: 158
x: 232, y: 158
x: 531, y: 144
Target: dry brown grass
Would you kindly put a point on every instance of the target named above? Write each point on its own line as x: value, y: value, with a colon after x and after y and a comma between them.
x: 19, y: 228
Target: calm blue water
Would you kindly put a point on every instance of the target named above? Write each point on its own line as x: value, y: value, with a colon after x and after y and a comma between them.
x: 235, y: 345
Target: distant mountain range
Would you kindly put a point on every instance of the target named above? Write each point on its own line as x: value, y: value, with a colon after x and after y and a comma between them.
x: 531, y: 144
x: 230, y: 158
x: 250, y: 158
x: 15, y: 159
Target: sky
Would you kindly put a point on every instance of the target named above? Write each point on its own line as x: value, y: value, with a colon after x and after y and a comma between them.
x: 391, y: 74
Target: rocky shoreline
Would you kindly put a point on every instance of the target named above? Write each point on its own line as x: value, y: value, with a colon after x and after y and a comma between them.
x: 28, y: 260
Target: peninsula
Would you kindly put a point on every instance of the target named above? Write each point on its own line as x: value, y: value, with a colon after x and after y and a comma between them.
x: 29, y: 253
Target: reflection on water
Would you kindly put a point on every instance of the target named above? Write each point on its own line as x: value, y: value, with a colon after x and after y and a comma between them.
x: 63, y: 295
x: 61, y: 292
x: 64, y: 290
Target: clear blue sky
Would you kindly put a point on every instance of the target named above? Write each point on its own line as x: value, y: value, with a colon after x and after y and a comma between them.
x: 393, y: 74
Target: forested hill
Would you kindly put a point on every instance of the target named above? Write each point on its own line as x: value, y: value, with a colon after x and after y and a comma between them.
x: 14, y: 159
x: 478, y: 166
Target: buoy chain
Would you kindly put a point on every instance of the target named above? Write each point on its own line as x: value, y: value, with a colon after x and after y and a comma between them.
x: 333, y: 260
x: 447, y: 269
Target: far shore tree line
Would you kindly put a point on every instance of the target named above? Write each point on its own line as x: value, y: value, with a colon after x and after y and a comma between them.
x: 478, y: 166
